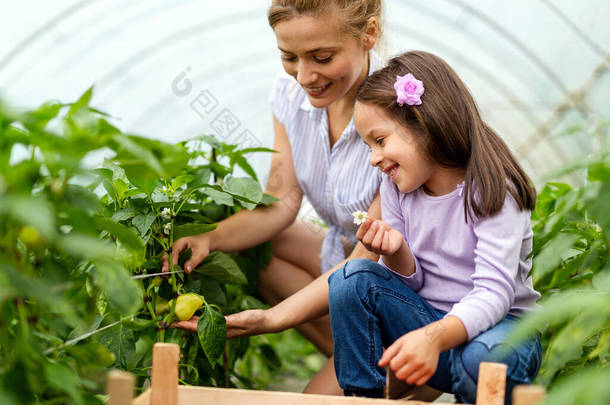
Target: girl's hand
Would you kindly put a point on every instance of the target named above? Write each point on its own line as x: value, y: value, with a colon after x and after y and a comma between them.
x: 414, y: 356
x: 379, y: 237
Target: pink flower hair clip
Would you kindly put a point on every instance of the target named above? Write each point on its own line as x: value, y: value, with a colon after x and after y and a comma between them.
x: 408, y: 90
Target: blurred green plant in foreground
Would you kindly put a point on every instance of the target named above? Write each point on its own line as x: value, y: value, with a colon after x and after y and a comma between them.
x: 571, y: 270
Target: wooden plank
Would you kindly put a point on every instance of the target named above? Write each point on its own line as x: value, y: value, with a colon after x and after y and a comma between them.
x: 491, y: 384
x: 120, y: 387
x: 230, y: 396
x: 142, y: 399
x: 528, y: 395
x: 164, y: 383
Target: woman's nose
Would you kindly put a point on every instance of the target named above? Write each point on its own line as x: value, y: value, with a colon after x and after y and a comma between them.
x: 305, y: 74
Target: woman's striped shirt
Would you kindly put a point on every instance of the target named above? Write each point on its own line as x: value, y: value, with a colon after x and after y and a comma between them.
x: 336, y: 181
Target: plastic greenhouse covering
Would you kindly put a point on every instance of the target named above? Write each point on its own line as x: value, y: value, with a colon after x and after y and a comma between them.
x: 169, y: 69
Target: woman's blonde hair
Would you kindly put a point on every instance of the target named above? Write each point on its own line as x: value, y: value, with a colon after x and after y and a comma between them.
x: 355, y: 13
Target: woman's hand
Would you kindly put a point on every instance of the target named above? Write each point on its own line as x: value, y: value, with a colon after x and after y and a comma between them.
x: 200, y: 247
x: 246, y: 323
x: 414, y: 356
x: 379, y: 237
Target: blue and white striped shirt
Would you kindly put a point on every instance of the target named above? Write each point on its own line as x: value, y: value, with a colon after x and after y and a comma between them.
x: 336, y: 181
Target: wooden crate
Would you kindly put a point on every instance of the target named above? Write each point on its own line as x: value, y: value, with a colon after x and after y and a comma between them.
x: 165, y: 390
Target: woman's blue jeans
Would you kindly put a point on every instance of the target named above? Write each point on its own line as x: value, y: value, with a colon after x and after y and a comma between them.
x: 370, y: 307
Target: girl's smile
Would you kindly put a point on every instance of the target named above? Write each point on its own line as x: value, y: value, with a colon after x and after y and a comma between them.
x: 397, y: 152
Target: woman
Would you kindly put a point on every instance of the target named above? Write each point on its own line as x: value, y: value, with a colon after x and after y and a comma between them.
x: 326, y: 51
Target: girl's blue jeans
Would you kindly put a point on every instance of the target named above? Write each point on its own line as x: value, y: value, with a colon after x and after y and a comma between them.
x: 370, y: 307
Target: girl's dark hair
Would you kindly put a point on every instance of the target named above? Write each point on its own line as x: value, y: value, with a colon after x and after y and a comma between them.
x: 451, y: 132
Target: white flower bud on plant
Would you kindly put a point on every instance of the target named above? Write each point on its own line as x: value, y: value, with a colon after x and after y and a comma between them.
x: 168, y: 228
x: 166, y: 213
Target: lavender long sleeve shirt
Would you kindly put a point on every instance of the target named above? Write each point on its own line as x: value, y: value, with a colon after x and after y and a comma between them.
x: 477, y: 271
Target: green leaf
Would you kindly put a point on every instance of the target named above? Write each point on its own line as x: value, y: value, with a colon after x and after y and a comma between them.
x: 63, y: 378
x: 587, y: 386
x: 212, y: 332
x: 211, y: 140
x: 219, y: 197
x: 34, y: 211
x: 181, y: 231
x: 270, y: 357
x: 82, y: 101
x: 7, y: 398
x: 119, y: 340
x: 19, y: 284
x: 223, y: 268
x: 268, y: 199
x: 257, y: 149
x: 46, y: 112
x: 115, y: 281
x: 244, y: 187
x: 143, y: 222
x: 243, y: 163
x: 598, y: 205
x: 561, y: 307
x: 128, y: 237
x: 551, y: 255
x: 568, y: 344
x: 139, y: 163
x: 86, y: 246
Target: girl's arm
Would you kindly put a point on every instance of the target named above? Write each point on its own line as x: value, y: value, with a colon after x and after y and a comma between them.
x: 307, y: 304
x: 250, y: 228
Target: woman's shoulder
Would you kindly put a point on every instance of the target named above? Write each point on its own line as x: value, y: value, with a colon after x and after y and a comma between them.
x: 286, y: 97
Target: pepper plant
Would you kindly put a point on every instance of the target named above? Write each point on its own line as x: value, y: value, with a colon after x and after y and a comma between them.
x: 572, y: 271
x: 86, y: 212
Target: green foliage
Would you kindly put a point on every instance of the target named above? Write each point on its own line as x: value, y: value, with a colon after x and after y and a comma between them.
x: 572, y: 271
x: 73, y: 238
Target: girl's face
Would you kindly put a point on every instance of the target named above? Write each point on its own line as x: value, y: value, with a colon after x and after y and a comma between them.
x: 327, y: 63
x: 394, y: 149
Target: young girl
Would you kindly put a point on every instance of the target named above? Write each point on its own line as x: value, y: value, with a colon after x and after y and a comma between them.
x: 452, y: 278
x: 326, y: 50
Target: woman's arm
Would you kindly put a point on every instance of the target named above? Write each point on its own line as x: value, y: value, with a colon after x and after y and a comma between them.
x: 250, y: 228
x: 307, y: 304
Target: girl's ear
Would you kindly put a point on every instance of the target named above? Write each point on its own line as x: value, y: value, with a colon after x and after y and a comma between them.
x: 371, y: 33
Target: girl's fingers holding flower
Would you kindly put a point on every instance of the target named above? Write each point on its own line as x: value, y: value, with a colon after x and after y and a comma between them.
x: 363, y: 229
x: 368, y: 237
x: 378, y: 240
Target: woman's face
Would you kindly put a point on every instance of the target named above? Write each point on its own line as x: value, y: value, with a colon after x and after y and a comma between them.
x: 327, y: 63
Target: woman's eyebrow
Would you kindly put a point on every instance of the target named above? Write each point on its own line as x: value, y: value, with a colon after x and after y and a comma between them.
x: 329, y: 48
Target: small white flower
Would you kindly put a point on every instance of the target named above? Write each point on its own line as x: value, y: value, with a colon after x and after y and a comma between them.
x: 168, y: 228
x: 166, y: 213
x: 359, y: 217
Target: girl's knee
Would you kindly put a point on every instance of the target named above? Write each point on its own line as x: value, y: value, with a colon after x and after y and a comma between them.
x: 352, y: 280
x: 521, y: 361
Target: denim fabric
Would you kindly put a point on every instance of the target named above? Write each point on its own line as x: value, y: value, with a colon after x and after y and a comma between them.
x: 370, y: 308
